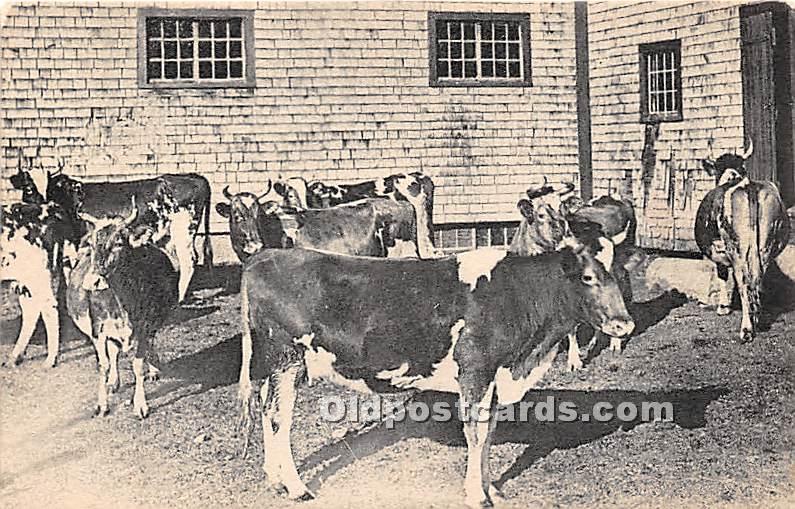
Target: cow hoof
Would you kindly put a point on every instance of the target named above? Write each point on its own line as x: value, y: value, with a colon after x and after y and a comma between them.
x: 142, y: 411
x: 746, y: 336
x: 724, y: 310
x: 101, y: 411
x: 306, y: 496
x: 575, y: 365
x: 479, y: 504
x: 52, y: 362
x: 114, y: 387
x: 495, y: 493
x: 279, y: 489
x: 153, y: 374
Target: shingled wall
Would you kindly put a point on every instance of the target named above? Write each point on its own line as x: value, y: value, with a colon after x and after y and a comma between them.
x: 341, y: 94
x: 712, y: 109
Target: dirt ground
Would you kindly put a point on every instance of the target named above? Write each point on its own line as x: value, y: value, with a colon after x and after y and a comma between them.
x: 730, y: 443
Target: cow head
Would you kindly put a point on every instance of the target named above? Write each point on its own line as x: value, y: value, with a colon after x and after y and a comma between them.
x: 542, y: 226
x: 243, y: 212
x: 597, y: 295
x: 728, y: 167
x: 32, y: 183
x: 106, y: 240
x: 294, y: 192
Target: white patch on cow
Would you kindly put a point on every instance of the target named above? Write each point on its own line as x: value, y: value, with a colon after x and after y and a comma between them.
x: 180, y: 246
x: 727, y: 197
x: 479, y: 262
x: 444, y: 377
x: 118, y: 328
x: 510, y: 390
x: 574, y: 361
x: 392, y: 373
x: 402, y: 249
x: 320, y: 364
x: 606, y: 254
x: 39, y: 177
x: 728, y: 175
x: 620, y: 237
x: 380, y: 188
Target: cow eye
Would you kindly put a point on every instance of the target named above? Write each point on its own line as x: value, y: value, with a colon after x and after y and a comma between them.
x: 588, y: 279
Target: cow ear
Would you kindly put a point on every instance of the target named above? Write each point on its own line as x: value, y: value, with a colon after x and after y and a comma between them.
x: 709, y: 166
x: 280, y: 188
x: 526, y: 209
x: 223, y: 209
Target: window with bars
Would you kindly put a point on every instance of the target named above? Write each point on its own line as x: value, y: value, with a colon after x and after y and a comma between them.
x: 462, y: 237
x: 470, y: 49
x: 195, y: 48
x: 661, y: 81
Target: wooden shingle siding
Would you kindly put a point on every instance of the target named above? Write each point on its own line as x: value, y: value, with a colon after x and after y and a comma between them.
x: 341, y: 94
x: 712, y: 108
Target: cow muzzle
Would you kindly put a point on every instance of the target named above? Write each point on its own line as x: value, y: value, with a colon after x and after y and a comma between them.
x: 619, y: 328
x: 94, y: 282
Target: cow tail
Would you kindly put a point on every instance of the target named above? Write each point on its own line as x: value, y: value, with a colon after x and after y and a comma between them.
x: 208, y: 245
x: 754, y: 258
x: 245, y: 391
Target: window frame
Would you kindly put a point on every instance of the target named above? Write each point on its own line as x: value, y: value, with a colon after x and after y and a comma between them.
x: 644, y: 50
x: 247, y: 31
x: 524, y: 22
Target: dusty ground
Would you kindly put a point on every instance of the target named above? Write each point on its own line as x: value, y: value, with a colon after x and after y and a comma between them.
x: 731, y: 442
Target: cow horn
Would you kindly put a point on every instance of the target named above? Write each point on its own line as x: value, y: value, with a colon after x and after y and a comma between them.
x: 747, y: 152
x: 88, y: 218
x: 565, y: 188
x: 129, y: 219
x: 227, y: 194
x: 710, y: 153
x: 263, y: 195
x: 621, y: 236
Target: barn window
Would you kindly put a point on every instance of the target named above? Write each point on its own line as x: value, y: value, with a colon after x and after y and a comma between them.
x: 469, y: 49
x: 195, y: 48
x: 454, y: 237
x: 661, y: 81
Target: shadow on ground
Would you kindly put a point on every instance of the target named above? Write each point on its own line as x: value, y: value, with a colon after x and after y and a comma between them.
x: 541, y: 437
x: 226, y: 277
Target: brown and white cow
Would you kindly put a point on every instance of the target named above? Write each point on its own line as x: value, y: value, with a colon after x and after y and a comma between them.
x: 741, y: 225
x: 32, y: 242
x: 483, y: 324
x: 369, y: 227
x: 120, y: 292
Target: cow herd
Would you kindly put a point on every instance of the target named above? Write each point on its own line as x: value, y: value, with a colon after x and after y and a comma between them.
x: 343, y: 283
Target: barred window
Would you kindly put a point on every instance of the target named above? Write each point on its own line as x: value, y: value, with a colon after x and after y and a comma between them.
x: 661, y: 81
x: 468, y: 49
x: 190, y: 48
x: 453, y: 237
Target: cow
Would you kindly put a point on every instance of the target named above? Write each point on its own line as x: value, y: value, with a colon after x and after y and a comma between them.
x: 32, y: 243
x: 175, y: 203
x: 484, y: 324
x: 741, y: 225
x: 415, y: 187
x: 369, y: 227
x: 119, y: 293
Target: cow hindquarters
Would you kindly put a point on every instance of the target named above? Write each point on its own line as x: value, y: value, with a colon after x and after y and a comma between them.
x: 278, y: 401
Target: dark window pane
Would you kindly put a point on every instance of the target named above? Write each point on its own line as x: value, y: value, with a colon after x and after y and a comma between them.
x: 153, y: 27
x: 513, y: 50
x: 455, y: 30
x: 220, y: 50
x: 236, y: 69
x: 660, y: 82
x: 455, y: 50
x: 469, y: 31
x: 170, y: 49
x: 513, y: 32
x: 220, y: 28
x: 486, y: 50
x: 170, y: 70
x: 456, y: 70
x: 500, y: 70
x: 471, y: 69
x: 443, y: 50
x: 185, y: 28
x: 499, y: 31
x: 205, y: 49
x: 169, y: 28
x: 671, y: 102
x: 497, y: 236
x: 485, y: 31
x: 464, y: 237
x: 487, y: 68
x: 186, y: 49
x: 235, y: 29
x: 221, y: 70
x: 669, y: 81
x: 153, y: 49
x: 441, y: 29
x: 205, y: 69
x: 513, y: 70
x: 481, y: 237
x: 186, y: 69
x: 204, y: 29
x: 511, y: 233
x: 469, y: 50
x: 443, y: 70
x: 235, y: 49
x: 500, y: 50
x: 153, y: 70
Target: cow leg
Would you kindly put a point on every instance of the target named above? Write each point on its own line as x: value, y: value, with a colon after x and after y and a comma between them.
x: 724, y: 289
x: 101, y: 347
x: 615, y: 345
x: 279, y: 411
x: 574, y: 361
x: 478, y: 405
x: 749, y: 300
x: 182, y: 242
x: 140, y: 407
x: 30, y: 317
x: 113, y: 366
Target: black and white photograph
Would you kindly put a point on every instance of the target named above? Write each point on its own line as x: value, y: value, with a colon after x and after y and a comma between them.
x: 397, y: 254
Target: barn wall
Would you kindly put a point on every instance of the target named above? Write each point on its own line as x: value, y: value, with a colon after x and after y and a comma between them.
x: 712, y: 109
x: 342, y: 94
